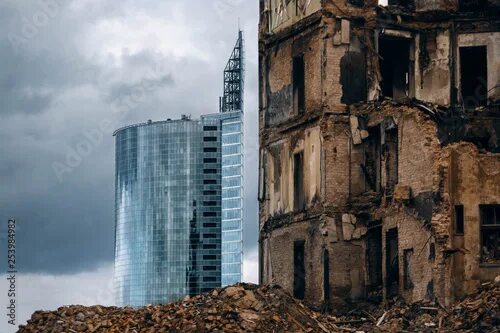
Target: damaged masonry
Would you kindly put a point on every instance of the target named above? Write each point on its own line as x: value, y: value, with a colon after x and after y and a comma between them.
x: 380, y: 149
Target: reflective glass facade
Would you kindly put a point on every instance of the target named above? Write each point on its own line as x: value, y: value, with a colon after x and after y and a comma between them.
x: 232, y: 195
x: 168, y: 211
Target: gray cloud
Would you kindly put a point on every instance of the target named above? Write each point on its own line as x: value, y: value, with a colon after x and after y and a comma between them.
x: 62, y: 83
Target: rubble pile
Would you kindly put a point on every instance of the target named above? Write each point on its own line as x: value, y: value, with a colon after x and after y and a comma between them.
x: 477, y: 313
x: 239, y: 308
x: 248, y: 308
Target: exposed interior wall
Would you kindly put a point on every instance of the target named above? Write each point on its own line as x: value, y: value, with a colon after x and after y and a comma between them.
x: 474, y: 182
x: 279, y: 172
x: 432, y: 68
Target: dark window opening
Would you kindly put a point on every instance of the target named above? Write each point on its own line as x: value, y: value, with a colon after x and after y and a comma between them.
x: 357, y: 3
x: 410, y: 4
x: 298, y: 181
x: 209, y: 257
x: 210, y: 139
x: 472, y: 5
x: 209, y: 279
x: 209, y: 268
x: 210, y: 171
x: 210, y: 128
x: 209, y: 160
x: 209, y: 150
x: 371, y: 168
x: 395, y: 67
x: 299, y: 84
x: 432, y: 252
x: 209, y: 225
x: 392, y: 262
x: 326, y: 278
x: 209, y: 214
x: 459, y: 220
x: 209, y: 192
x: 391, y: 160
x: 210, y: 182
x: 407, y: 256
x: 490, y: 233
x: 209, y: 236
x: 209, y: 246
x: 299, y: 270
x: 473, y: 76
x: 374, y: 263
x: 209, y: 203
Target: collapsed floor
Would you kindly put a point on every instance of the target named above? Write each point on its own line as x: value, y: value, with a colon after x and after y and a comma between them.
x: 248, y: 308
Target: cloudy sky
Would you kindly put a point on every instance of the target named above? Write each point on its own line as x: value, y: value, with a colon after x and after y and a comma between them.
x: 72, y: 71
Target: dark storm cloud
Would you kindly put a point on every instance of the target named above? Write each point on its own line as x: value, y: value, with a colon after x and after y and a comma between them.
x: 62, y: 82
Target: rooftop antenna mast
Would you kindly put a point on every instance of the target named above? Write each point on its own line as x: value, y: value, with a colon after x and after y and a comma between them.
x: 234, y: 78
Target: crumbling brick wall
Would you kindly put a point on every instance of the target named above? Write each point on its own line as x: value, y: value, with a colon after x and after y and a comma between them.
x: 372, y: 165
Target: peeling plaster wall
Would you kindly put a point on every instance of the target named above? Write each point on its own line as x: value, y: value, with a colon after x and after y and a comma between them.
x: 284, y: 13
x: 432, y: 76
x: 279, y: 180
x: 492, y: 41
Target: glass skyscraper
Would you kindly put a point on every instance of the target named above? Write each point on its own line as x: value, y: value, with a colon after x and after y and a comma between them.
x: 179, y: 201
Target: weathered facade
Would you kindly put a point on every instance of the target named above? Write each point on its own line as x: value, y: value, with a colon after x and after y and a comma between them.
x: 380, y: 148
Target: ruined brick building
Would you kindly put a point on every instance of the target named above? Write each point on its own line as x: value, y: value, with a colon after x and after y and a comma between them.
x: 380, y: 148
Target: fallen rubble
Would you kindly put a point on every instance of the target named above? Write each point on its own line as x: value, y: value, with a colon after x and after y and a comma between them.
x: 248, y: 308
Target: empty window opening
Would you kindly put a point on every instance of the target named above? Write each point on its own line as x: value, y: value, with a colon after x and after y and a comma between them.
x: 459, y: 220
x: 209, y: 171
x: 395, y: 67
x: 209, y: 160
x: 210, y: 139
x: 298, y: 181
x: 473, y: 76
x: 210, y: 128
x: 374, y: 263
x: 392, y: 262
x: 326, y: 278
x: 299, y: 84
x: 402, y: 3
x: 391, y: 160
x: 490, y: 233
x: 299, y: 270
x: 210, y: 150
x: 210, y: 182
x: 209, y: 246
x: 432, y: 252
x: 407, y: 261
x: 472, y: 5
x: 371, y: 168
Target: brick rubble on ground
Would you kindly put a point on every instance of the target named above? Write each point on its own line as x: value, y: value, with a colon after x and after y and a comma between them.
x: 248, y: 308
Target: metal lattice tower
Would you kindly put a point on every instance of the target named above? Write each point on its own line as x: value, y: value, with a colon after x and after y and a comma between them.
x: 234, y: 73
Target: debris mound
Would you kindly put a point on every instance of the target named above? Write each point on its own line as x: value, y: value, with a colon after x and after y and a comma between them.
x: 239, y: 308
x: 249, y: 308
